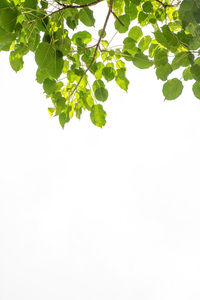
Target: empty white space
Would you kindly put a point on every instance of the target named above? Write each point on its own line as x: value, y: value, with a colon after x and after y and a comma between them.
x: 99, y: 214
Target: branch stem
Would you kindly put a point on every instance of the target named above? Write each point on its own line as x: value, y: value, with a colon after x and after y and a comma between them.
x: 97, y: 46
x: 116, y: 17
x: 66, y: 6
x: 164, y: 5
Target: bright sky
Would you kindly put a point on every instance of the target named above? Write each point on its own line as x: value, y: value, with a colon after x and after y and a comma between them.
x: 99, y: 214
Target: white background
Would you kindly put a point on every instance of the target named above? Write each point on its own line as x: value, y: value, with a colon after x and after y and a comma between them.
x: 90, y: 213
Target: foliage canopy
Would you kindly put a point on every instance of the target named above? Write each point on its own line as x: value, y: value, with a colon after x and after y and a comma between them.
x: 74, y: 66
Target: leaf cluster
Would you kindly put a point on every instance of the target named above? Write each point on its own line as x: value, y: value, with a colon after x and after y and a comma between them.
x: 75, y: 67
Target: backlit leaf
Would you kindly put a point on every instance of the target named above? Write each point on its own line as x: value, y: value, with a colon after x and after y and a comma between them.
x: 135, y: 33
x: 98, y: 115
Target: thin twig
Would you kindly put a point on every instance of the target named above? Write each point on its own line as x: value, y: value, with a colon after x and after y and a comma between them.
x: 96, y: 48
x: 164, y: 5
x: 117, y: 18
x: 66, y: 6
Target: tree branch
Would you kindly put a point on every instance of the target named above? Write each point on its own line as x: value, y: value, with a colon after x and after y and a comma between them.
x: 96, y: 48
x: 66, y: 6
x: 164, y: 5
x: 117, y: 18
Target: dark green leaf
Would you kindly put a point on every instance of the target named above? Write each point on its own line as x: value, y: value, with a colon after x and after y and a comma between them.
x: 86, y: 16
x: 8, y: 18
x: 108, y: 73
x: 49, y: 86
x: 160, y: 57
x: 97, y: 84
x: 163, y: 71
x: 182, y: 59
x: 125, y: 19
x: 48, y: 58
x: 172, y: 89
x: 101, y: 94
x: 147, y: 7
x: 196, y: 89
x: 187, y: 75
x: 142, y: 61
x: 195, y: 70
x: 131, y: 9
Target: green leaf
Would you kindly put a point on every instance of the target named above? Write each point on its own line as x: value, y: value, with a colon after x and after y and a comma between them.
x: 118, y: 7
x: 4, y: 3
x: 142, y: 18
x: 101, y: 94
x: 136, y: 2
x: 97, y: 84
x: 152, y: 49
x: 62, y: 41
x: 51, y: 111
x: 87, y: 101
x: 41, y: 75
x: 16, y: 61
x: 81, y: 57
x: 135, y: 33
x: 189, y: 12
x: 6, y: 39
x: 120, y: 64
x: 98, y: 115
x: 187, y: 75
x: 160, y: 38
x: 144, y: 43
x: 8, y: 18
x: 49, y: 59
x: 171, y: 38
x: 172, y: 89
x: 63, y: 119
x: 83, y: 36
x: 196, y: 89
x: 44, y: 54
x: 121, y: 79
x: 108, y: 73
x: 131, y: 9
x: 86, y: 17
x: 195, y: 70
x: 182, y: 59
x: 160, y: 57
x: 99, y: 33
x: 147, y: 7
x: 78, y: 110
x: 60, y: 104
x: 30, y: 4
x: 163, y: 71
x: 33, y: 40
x: 72, y: 21
x: 44, y: 4
x: 142, y: 61
x: 184, y: 39
x: 129, y: 43
x: 125, y: 19
x: 129, y: 48
x: 49, y: 86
